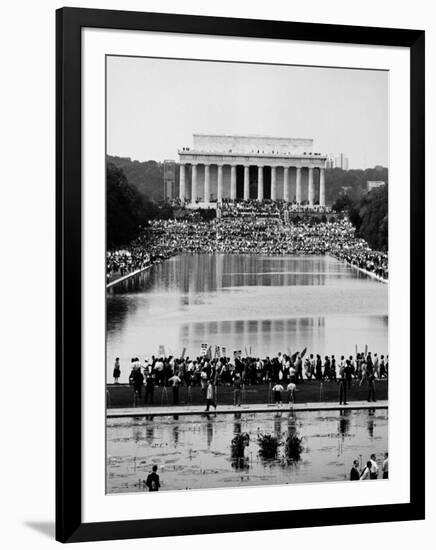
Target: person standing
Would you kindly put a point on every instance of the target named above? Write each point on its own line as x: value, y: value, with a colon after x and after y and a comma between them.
x: 385, y: 467
x: 366, y: 473
x: 342, y: 386
x: 237, y: 391
x: 277, y: 394
x: 149, y: 388
x: 138, y: 381
x: 117, y: 370
x: 354, y: 472
x: 175, y: 381
x: 374, y: 467
x: 291, y: 393
x: 209, y: 396
x: 370, y: 377
x: 153, y: 482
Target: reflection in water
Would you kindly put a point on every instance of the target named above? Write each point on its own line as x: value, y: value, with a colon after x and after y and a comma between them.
x: 344, y: 422
x: 370, y: 422
x: 196, y: 451
x: 267, y: 303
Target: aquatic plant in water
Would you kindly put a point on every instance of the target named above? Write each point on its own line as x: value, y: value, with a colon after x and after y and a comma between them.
x: 293, y: 447
x: 268, y: 445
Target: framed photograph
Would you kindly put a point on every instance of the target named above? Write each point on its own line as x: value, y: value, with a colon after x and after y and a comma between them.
x: 240, y: 292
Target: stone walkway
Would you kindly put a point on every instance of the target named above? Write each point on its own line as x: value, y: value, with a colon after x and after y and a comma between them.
x: 226, y: 409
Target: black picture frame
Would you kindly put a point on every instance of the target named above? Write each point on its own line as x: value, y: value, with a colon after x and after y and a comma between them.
x: 69, y: 22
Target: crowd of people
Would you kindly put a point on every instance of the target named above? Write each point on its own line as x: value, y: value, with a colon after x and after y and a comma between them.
x: 238, y: 235
x: 282, y: 371
x: 268, y: 208
x: 371, y: 469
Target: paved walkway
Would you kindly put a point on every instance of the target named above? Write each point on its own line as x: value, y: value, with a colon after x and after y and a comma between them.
x: 226, y: 409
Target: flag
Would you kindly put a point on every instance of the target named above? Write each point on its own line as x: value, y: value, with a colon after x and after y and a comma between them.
x: 183, y: 353
x: 303, y: 353
x: 161, y: 351
x: 209, y: 352
x: 217, y: 351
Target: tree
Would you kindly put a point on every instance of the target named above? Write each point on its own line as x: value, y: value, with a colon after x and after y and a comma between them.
x: 125, y: 208
x: 369, y: 215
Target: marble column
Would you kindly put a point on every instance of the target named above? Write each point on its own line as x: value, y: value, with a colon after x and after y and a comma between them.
x: 322, y: 186
x: 206, y: 183
x: 194, y: 184
x: 286, y: 183
x: 273, y: 183
x: 233, y: 182
x: 182, y: 191
x: 220, y: 184
x: 311, y: 187
x: 246, y: 183
x: 298, y: 185
x: 260, y: 183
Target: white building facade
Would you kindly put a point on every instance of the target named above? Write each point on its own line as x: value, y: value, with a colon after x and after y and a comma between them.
x: 221, y: 167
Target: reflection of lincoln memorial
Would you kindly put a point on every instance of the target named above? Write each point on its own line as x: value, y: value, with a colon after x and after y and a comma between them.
x: 251, y: 167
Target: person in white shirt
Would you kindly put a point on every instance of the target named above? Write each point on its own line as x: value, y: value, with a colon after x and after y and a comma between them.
x: 366, y: 473
x: 291, y: 392
x: 277, y: 393
x: 175, y: 382
x: 374, y: 467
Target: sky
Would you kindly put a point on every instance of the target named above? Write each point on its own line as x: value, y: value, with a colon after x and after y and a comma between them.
x: 155, y: 105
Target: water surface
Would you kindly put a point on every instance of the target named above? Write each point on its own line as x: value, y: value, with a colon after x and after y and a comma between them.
x: 194, y: 452
x: 262, y: 304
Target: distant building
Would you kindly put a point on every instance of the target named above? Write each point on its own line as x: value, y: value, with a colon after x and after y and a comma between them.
x: 337, y: 161
x: 243, y: 167
x: 374, y: 184
x: 169, y: 179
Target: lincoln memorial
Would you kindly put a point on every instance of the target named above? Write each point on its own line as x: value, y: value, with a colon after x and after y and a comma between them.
x: 219, y: 167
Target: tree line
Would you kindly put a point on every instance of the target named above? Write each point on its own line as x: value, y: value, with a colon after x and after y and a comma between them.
x: 369, y: 215
x: 127, y: 210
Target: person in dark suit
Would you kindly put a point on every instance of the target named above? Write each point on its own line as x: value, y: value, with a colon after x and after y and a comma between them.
x: 153, y: 482
x: 354, y: 472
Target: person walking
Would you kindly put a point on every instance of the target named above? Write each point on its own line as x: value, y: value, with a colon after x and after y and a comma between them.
x: 209, y: 396
x: 153, y: 481
x: 117, y: 370
x: 354, y: 472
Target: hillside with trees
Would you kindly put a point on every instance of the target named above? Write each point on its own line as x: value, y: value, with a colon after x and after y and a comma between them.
x: 147, y: 177
x: 351, y: 182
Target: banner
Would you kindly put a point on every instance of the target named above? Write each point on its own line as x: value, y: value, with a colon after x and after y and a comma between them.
x: 203, y: 349
x: 223, y: 352
x: 161, y: 351
x: 217, y: 351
